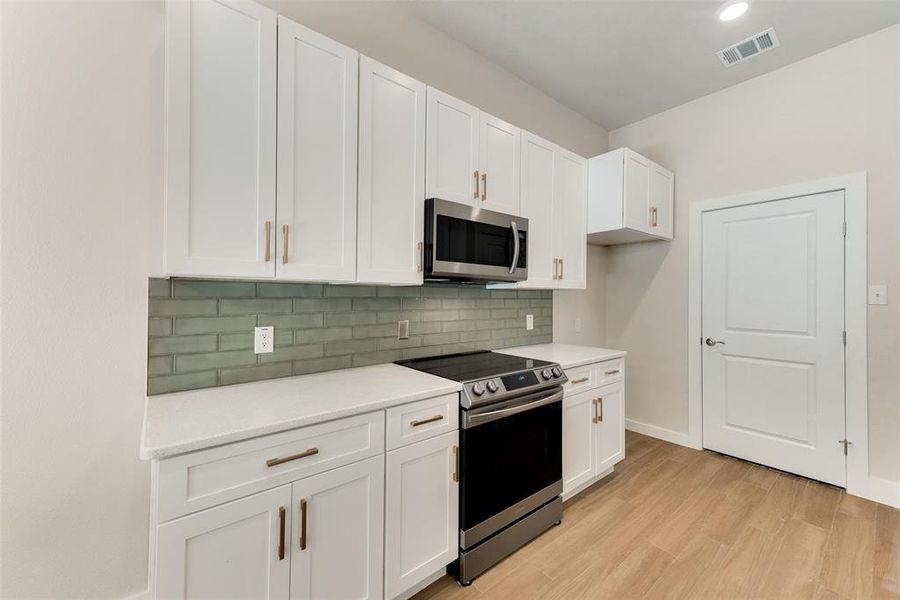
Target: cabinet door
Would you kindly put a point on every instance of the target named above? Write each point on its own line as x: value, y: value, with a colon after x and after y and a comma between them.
x: 662, y: 194
x: 391, y: 175
x: 220, y: 138
x: 537, y: 207
x: 637, y: 192
x: 500, y: 152
x: 338, y: 533
x: 451, y: 155
x: 609, y: 431
x: 570, y: 218
x: 230, y: 551
x: 422, y: 518
x: 579, y: 455
x: 317, y: 151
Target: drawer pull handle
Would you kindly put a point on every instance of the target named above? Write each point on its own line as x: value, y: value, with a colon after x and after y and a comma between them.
x: 426, y: 421
x: 281, y: 518
x: 280, y: 461
x: 600, y: 401
x: 612, y: 372
x: 268, y: 241
x: 594, y: 418
x: 455, y: 463
x: 581, y: 380
x: 303, y: 511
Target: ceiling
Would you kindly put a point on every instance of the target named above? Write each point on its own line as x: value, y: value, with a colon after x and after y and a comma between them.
x: 617, y: 62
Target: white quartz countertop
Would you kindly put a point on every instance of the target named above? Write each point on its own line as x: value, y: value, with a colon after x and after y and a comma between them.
x: 567, y: 355
x: 187, y: 421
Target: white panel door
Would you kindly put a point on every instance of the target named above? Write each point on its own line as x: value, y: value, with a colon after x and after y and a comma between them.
x: 317, y: 153
x: 662, y: 194
x: 637, y: 192
x: 570, y: 218
x: 609, y: 425
x: 338, y: 533
x: 230, y: 551
x: 500, y: 152
x: 422, y: 511
x: 537, y: 207
x: 773, y: 310
x: 220, y: 138
x: 391, y: 175
x: 579, y: 455
x: 451, y: 149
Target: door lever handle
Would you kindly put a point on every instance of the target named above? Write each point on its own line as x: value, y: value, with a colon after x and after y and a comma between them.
x: 711, y: 342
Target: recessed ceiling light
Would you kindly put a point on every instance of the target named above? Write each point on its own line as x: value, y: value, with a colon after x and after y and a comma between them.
x: 732, y: 9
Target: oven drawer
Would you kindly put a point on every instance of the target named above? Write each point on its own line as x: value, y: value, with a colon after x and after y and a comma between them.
x: 421, y: 420
x: 206, y: 478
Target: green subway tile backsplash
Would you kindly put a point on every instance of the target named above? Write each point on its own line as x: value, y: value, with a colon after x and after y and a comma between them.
x: 201, y: 332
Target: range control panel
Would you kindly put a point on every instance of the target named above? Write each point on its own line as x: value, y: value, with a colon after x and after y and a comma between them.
x: 513, y: 384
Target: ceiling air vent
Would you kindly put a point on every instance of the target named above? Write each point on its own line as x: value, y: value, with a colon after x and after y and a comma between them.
x: 753, y: 45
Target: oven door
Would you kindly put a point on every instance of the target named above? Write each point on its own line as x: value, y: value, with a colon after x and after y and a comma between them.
x: 468, y: 243
x: 510, y: 462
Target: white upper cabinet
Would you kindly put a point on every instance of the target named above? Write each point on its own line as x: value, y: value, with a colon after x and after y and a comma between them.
x: 570, y: 214
x: 317, y: 153
x: 538, y: 158
x: 391, y: 176
x: 451, y: 149
x: 630, y: 199
x: 220, y: 139
x: 499, y: 158
x: 471, y: 157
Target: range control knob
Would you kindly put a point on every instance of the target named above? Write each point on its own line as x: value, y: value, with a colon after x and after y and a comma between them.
x: 546, y: 374
x: 478, y: 389
x: 557, y: 372
x: 491, y: 386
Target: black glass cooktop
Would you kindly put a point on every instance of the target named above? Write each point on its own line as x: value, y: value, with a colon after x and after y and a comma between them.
x: 471, y: 366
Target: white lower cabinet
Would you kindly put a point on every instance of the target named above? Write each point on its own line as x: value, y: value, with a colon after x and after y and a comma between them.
x: 593, y: 425
x: 230, y: 551
x: 337, y: 533
x: 421, y: 520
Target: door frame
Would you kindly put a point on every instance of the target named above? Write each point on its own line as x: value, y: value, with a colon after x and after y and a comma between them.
x: 854, y: 186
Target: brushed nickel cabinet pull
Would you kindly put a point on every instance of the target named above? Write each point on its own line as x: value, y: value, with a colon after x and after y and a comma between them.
x: 268, y: 241
x: 581, y: 380
x: 562, y: 268
x: 281, y: 518
x: 428, y: 420
x: 600, y: 401
x: 303, y: 510
x: 455, y: 463
x: 555, y: 268
x: 594, y: 418
x: 477, y: 193
x: 654, y: 213
x: 612, y: 372
x: 484, y: 187
x: 650, y: 217
x: 280, y: 461
x: 420, y: 250
x: 285, y: 230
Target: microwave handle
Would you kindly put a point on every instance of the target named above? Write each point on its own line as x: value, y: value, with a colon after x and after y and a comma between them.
x: 515, y: 260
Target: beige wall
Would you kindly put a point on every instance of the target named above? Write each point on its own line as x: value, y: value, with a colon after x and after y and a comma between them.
x: 834, y: 113
x: 82, y: 170
x: 579, y: 317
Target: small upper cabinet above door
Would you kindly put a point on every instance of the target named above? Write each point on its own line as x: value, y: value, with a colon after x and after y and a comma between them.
x: 391, y: 176
x: 220, y: 139
x: 451, y: 149
x: 317, y: 153
x: 630, y: 199
x: 500, y: 150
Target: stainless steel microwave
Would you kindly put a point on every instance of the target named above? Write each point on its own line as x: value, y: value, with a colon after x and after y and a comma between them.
x: 466, y: 243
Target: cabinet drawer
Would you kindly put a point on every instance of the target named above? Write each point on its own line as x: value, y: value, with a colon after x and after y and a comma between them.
x: 210, y: 477
x: 611, y: 371
x: 421, y: 420
x: 582, y: 378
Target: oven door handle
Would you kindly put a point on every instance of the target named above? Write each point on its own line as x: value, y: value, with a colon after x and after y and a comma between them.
x: 486, y: 417
x: 515, y: 260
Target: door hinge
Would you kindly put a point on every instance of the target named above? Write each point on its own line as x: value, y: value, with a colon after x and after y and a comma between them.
x: 844, y: 337
x: 845, y: 443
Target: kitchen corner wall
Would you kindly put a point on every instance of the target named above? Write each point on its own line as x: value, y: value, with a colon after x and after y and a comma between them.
x: 201, y: 332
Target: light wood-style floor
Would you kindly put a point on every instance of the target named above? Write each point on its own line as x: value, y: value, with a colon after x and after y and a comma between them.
x: 679, y: 523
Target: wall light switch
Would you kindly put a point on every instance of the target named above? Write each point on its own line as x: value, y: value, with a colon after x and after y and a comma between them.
x: 877, y: 294
x: 263, y: 339
x: 529, y: 322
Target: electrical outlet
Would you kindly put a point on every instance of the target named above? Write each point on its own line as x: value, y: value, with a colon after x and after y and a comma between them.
x: 403, y: 330
x: 263, y: 340
x: 529, y: 322
x: 878, y: 294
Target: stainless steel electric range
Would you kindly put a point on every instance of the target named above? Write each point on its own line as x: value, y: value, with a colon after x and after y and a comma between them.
x: 510, y: 452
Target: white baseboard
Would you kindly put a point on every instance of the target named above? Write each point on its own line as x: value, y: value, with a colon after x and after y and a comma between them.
x: 876, y: 489
x: 661, y: 433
